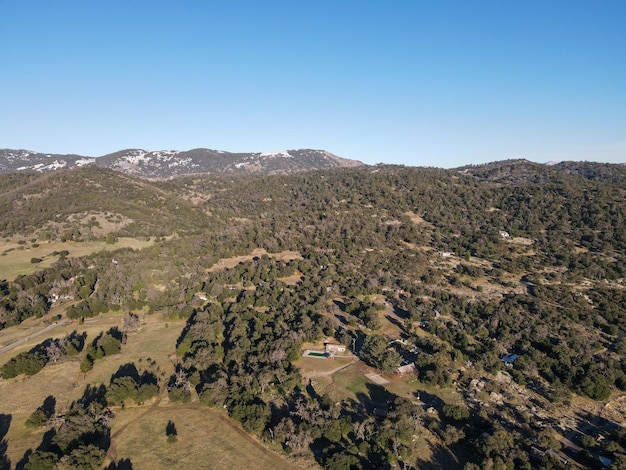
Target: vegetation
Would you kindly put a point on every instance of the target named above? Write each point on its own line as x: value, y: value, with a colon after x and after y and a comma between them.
x: 502, y: 284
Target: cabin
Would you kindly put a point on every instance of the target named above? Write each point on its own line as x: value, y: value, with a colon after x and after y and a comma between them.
x: 332, y: 348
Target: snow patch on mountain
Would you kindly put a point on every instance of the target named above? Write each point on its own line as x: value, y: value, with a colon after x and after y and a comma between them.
x: 170, y: 163
x: 283, y: 154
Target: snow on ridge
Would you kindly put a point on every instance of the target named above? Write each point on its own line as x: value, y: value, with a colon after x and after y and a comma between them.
x: 56, y: 165
x: 136, y: 156
x: 181, y: 162
x: 165, y: 154
x: 282, y: 154
x: 84, y: 161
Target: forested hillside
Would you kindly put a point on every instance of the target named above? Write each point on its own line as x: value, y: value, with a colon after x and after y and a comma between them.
x: 502, y: 284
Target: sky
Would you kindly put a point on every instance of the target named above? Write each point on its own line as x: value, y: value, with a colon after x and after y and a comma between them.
x: 421, y: 83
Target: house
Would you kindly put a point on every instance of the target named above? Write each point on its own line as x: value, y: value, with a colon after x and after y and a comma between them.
x: 509, y: 359
x: 406, y: 369
x: 334, y: 347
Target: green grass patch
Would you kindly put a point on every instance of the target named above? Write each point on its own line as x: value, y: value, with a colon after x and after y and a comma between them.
x: 357, y: 385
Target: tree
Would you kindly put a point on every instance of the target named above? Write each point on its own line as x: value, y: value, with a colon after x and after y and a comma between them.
x: 131, y: 322
x: 84, y: 457
x: 41, y: 460
x: 456, y: 412
x: 373, y: 349
x: 55, y: 351
x: 171, y: 432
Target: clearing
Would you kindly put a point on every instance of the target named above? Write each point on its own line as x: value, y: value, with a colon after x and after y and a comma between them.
x: 206, y: 439
x: 15, y: 258
x: 227, y: 263
x: 22, y: 395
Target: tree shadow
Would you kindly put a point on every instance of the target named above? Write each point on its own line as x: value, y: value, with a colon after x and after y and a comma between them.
x: 46, y: 445
x: 81, y: 338
x: 396, y: 322
x: 123, y: 464
x: 49, y: 405
x: 93, y: 394
x: 116, y: 333
x: 400, y: 313
x: 126, y: 370
x: 170, y: 429
x: 23, y: 461
x: 430, y: 400
x: 378, y: 398
x: 148, y: 378
x: 46, y: 440
x: 5, y: 424
x: 441, y: 457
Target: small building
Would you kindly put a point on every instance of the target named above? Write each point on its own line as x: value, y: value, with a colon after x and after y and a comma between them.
x: 509, y: 359
x: 332, y: 348
x: 504, y: 234
x: 406, y: 369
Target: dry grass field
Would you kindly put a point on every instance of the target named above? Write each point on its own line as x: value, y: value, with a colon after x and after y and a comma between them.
x: 227, y: 263
x: 206, y: 439
x: 22, y: 395
x: 15, y: 258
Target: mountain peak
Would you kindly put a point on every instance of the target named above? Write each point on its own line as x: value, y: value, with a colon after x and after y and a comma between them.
x: 163, y: 164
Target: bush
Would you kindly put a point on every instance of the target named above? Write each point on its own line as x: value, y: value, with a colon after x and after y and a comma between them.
x: 37, y: 419
x: 455, y: 412
x: 24, y: 363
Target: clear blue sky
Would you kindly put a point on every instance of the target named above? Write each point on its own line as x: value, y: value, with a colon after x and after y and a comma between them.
x: 426, y: 83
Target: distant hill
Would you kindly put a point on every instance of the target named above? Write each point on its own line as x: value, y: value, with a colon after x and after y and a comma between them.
x: 82, y: 202
x: 170, y: 163
x: 524, y: 171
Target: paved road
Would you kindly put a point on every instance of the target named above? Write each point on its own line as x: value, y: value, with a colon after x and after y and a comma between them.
x: 19, y: 342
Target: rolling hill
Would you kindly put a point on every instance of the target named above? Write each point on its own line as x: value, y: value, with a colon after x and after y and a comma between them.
x: 500, y: 286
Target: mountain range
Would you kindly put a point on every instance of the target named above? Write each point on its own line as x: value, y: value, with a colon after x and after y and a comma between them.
x: 170, y: 163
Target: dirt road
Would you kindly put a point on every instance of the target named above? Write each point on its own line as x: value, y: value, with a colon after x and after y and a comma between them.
x: 24, y: 340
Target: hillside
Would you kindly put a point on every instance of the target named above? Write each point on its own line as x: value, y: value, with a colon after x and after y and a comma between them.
x: 499, y: 288
x: 88, y: 202
x: 171, y: 163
